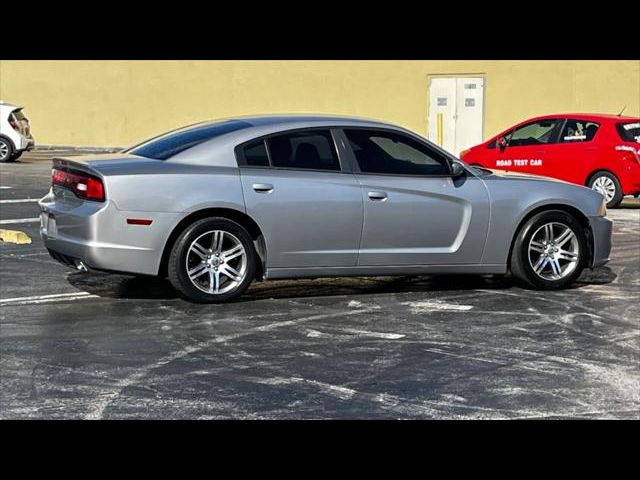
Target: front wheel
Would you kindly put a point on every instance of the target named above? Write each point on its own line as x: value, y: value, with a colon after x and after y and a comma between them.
x: 608, y: 186
x: 550, y: 251
x: 212, y: 261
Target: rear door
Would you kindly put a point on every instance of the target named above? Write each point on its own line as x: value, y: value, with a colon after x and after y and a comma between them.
x: 414, y: 212
x: 575, y: 155
x: 309, y: 210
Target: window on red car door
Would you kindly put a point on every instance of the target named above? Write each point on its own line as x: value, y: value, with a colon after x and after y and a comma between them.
x: 578, y: 131
x: 540, y: 132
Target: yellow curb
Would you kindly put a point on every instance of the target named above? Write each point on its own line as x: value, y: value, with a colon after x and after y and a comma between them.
x: 14, y: 236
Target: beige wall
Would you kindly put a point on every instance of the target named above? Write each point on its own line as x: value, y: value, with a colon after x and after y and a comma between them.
x: 116, y: 103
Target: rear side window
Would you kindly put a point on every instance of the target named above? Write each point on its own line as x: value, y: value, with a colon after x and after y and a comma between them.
x: 171, y: 144
x: 255, y: 154
x: 629, y: 132
x: 578, y: 131
x: 392, y: 153
x: 309, y: 150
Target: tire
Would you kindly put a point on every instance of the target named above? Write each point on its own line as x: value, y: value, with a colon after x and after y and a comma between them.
x: 603, y: 182
x: 194, y: 252
x: 6, y: 150
x: 528, y: 254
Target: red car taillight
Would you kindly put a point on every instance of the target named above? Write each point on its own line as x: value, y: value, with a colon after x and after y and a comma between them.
x: 83, y: 185
x: 627, y: 148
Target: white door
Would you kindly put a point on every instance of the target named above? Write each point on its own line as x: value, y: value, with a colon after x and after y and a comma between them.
x: 442, y: 112
x: 456, y: 112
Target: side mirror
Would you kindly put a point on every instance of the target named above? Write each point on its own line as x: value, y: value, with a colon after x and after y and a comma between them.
x: 502, y: 142
x: 457, y: 170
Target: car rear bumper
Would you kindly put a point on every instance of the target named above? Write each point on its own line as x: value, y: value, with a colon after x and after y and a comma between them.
x: 97, y: 235
x: 27, y: 143
x: 601, y: 228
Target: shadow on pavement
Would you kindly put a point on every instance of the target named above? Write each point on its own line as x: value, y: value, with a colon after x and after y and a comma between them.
x: 153, y: 288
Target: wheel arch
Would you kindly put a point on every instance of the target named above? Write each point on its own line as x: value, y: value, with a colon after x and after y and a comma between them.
x: 13, y: 145
x: 573, y: 211
x: 598, y: 170
x: 236, y: 215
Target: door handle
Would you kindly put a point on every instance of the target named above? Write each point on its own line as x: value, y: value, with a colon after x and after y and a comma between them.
x: 379, y: 196
x: 263, y: 187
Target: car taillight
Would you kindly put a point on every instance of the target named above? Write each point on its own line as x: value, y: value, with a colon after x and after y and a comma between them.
x: 628, y: 148
x: 83, y: 185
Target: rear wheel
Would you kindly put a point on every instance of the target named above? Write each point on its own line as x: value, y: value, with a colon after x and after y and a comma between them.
x: 212, y: 261
x: 550, y: 251
x: 608, y: 185
x: 6, y: 150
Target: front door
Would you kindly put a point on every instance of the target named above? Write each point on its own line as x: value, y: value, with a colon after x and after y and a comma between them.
x: 414, y: 212
x: 309, y: 211
x: 527, y: 147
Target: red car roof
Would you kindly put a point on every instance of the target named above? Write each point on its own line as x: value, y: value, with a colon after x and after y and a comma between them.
x: 586, y: 116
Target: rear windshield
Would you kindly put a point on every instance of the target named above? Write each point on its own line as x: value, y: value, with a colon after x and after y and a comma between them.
x: 629, y: 132
x: 18, y: 115
x: 171, y: 144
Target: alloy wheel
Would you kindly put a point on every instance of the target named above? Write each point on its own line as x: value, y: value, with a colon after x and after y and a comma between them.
x: 216, y: 262
x: 554, y: 251
x: 4, y: 150
x: 605, y: 186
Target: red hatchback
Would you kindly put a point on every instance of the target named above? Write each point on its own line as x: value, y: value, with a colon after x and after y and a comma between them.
x: 599, y: 151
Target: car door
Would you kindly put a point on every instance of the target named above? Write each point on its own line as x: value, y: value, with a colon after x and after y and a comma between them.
x: 575, y: 155
x: 527, y: 146
x: 308, y: 209
x: 415, y: 213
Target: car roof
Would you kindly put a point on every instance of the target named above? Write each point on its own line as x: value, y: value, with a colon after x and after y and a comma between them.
x: 257, y: 126
x: 585, y: 116
x: 10, y: 106
x: 285, y: 120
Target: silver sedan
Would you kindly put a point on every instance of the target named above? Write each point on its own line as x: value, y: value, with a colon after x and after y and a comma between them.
x: 216, y: 205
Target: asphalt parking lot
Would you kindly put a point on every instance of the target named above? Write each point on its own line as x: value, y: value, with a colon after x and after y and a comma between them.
x: 89, y: 346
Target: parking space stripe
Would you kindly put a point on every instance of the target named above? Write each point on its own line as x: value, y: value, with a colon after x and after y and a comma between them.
x: 20, y: 200
x: 46, y: 298
x: 2, y: 187
x: 20, y: 220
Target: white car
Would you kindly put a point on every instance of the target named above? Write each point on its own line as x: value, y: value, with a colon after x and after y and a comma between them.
x: 15, y: 133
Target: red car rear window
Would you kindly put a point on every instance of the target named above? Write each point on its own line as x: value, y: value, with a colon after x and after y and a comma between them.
x: 629, y: 132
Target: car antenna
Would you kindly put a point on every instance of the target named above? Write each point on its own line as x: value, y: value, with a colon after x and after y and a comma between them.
x: 623, y: 108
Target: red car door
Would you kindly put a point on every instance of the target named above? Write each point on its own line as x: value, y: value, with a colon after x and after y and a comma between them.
x: 525, y: 148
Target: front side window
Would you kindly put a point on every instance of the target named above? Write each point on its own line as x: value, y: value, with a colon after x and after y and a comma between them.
x: 540, y: 132
x: 393, y: 153
x: 171, y: 144
x: 578, y: 131
x: 309, y: 150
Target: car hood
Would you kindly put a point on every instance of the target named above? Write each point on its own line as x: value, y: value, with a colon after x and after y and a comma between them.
x: 523, y: 176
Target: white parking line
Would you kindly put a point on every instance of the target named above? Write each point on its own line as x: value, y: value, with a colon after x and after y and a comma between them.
x: 20, y: 200
x: 20, y: 220
x: 58, y: 297
x: 2, y: 187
